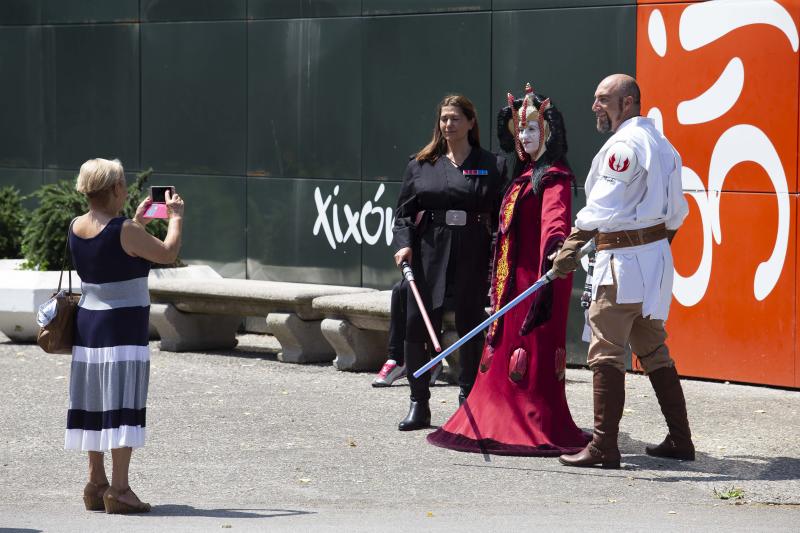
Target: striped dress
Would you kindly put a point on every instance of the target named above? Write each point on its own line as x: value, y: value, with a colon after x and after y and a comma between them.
x: 110, y: 357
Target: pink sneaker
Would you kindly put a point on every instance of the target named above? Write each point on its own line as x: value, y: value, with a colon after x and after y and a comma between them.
x: 390, y: 373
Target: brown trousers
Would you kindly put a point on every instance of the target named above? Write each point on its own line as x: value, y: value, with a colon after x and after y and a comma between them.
x: 615, y: 325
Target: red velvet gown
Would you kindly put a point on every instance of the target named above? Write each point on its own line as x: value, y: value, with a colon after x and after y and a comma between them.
x: 518, y: 405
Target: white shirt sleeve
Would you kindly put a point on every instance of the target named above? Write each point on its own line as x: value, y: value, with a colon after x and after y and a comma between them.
x: 678, y: 207
x: 612, y: 197
x: 634, y: 187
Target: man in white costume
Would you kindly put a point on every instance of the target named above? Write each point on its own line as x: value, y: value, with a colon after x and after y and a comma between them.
x: 634, y: 206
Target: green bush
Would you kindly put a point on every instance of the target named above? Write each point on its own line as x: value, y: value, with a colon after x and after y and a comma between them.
x: 12, y: 223
x: 45, y: 234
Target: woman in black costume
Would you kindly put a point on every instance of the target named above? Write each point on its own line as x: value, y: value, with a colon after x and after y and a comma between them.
x: 446, y: 216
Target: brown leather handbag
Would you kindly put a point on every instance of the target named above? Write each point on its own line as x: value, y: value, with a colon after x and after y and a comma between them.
x: 56, y: 335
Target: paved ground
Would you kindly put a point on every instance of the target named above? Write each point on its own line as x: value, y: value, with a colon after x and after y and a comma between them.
x: 241, y: 441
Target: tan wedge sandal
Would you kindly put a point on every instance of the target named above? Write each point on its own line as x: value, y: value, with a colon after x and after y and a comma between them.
x: 114, y: 506
x: 93, y: 496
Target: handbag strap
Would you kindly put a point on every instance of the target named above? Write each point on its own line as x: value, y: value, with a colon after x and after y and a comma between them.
x: 64, y: 260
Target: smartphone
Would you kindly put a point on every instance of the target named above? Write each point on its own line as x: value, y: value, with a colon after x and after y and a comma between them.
x: 158, y: 195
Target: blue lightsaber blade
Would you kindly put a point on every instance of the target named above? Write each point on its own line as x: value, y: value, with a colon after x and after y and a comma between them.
x: 541, y: 282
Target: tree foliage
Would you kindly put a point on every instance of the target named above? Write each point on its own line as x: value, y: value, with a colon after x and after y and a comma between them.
x: 12, y: 223
x: 45, y: 234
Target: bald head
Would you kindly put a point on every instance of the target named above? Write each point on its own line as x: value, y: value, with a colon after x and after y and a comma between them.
x: 623, y: 85
x: 616, y: 99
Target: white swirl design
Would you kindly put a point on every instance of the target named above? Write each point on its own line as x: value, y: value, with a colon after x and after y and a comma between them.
x: 702, y: 24
x: 705, y: 22
x: 718, y: 99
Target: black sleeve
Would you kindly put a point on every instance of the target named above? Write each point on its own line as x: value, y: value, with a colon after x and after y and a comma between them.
x: 407, y: 209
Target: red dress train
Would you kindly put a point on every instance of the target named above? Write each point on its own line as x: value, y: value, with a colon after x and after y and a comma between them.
x: 518, y: 405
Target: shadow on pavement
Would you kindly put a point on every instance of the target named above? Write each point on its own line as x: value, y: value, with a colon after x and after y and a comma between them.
x: 188, y: 510
x: 20, y: 529
x: 706, y: 468
x: 710, y: 468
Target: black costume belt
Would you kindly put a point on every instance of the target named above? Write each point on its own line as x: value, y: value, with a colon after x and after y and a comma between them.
x: 456, y: 217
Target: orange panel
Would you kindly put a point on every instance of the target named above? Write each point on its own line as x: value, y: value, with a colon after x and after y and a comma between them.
x: 729, y: 334
x: 797, y: 299
x: 725, y: 90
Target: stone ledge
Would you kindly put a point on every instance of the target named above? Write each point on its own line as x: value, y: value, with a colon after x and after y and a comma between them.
x: 246, y: 297
x: 23, y: 291
x: 369, y: 311
x: 184, y: 332
x: 356, y: 349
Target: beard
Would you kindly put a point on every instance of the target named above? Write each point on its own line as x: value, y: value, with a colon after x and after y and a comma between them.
x: 603, y: 123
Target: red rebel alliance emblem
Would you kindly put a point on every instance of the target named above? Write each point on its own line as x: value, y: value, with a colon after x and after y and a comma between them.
x: 620, y: 163
x: 616, y: 166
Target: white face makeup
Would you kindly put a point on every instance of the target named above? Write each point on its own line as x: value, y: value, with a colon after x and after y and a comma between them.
x: 530, y: 138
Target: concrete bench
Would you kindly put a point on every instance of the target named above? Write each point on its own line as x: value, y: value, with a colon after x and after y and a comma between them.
x: 357, y: 326
x: 205, y: 314
x: 23, y: 291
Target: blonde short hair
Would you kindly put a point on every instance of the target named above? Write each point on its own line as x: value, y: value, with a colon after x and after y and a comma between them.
x: 98, y: 175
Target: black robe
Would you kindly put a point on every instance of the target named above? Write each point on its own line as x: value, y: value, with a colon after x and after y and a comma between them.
x: 451, y: 259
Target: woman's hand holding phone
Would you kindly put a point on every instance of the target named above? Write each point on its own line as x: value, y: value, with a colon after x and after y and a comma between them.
x: 158, y: 202
x: 140, y: 211
x: 174, y: 204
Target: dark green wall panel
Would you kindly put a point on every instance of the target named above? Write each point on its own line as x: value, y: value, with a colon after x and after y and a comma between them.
x: 501, y: 5
x: 329, y: 8
x: 401, y: 90
x: 194, y: 95
x: 55, y: 175
x: 274, y: 9
x: 377, y: 255
x: 20, y: 11
x: 72, y: 11
x: 392, y: 7
x: 174, y: 10
x: 567, y: 74
x: 576, y: 348
x: 91, y: 94
x: 25, y: 180
x: 21, y: 96
x: 71, y: 175
x: 214, y: 220
x: 271, y: 9
x: 304, y: 98
x: 282, y: 215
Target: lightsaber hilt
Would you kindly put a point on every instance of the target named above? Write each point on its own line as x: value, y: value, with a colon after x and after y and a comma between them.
x: 541, y: 282
x: 407, y: 272
x: 409, y: 275
x: 586, y: 297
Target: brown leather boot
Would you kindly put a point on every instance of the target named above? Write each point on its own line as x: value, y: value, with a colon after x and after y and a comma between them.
x: 609, y: 399
x: 678, y: 443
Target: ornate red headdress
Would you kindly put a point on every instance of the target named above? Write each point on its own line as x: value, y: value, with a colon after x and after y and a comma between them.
x: 514, y: 127
x: 528, y: 112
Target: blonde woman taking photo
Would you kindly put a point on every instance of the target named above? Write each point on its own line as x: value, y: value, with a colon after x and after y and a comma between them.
x: 110, y: 357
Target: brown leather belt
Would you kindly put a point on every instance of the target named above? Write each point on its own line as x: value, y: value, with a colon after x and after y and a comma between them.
x: 631, y: 237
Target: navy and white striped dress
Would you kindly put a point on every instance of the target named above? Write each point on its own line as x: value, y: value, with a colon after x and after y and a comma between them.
x: 110, y: 357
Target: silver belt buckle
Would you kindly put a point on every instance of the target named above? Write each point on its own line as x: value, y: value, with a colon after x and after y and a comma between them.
x: 455, y: 217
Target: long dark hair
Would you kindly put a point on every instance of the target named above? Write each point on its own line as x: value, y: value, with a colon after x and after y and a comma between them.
x: 555, y: 145
x: 438, y: 145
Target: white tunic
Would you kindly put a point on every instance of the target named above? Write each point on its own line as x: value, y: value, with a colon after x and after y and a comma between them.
x: 635, y: 183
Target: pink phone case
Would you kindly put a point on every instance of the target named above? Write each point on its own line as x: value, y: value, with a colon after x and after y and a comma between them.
x: 156, y: 211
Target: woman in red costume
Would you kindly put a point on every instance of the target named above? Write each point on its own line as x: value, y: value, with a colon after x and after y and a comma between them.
x: 518, y: 405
